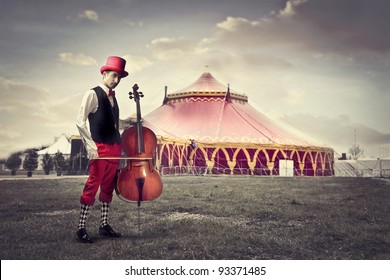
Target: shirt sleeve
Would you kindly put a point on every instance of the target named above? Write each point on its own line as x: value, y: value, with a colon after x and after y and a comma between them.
x: 89, y: 104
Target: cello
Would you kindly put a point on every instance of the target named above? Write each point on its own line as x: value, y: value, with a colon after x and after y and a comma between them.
x: 138, y: 180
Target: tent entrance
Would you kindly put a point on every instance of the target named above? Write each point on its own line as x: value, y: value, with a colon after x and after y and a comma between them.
x: 286, y: 168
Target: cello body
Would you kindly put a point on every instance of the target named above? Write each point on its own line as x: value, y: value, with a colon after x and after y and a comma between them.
x: 139, y: 180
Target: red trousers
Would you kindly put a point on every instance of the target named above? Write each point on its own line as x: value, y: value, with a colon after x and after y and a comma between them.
x: 102, y: 172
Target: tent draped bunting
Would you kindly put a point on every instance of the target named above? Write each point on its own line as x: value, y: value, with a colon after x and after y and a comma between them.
x: 175, y: 156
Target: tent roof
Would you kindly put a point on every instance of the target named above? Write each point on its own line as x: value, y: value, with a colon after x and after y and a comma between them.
x: 205, y: 83
x: 215, y: 118
x: 61, y: 145
x: 206, y: 86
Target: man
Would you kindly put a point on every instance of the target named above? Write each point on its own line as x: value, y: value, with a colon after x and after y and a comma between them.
x: 102, y: 142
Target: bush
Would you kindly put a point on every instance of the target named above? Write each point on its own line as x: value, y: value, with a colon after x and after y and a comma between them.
x: 60, y: 163
x: 30, y: 162
x: 47, y: 163
x: 13, y: 163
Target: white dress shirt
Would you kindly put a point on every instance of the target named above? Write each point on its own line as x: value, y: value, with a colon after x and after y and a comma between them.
x: 89, y: 104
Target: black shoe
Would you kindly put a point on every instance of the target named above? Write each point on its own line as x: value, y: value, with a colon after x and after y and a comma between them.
x: 108, y: 231
x: 83, y: 236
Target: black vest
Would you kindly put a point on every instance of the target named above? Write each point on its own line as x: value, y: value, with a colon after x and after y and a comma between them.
x: 104, y: 122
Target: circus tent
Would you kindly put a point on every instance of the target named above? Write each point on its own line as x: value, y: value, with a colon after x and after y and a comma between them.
x: 209, y: 128
x: 62, y: 145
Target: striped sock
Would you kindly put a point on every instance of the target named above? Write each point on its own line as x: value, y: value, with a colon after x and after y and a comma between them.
x: 83, y: 215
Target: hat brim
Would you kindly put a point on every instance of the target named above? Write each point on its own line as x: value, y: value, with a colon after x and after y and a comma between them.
x: 121, y: 72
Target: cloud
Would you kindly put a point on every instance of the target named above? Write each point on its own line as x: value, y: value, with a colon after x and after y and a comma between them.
x: 77, y: 59
x: 242, y: 32
x: 8, y: 132
x: 338, y: 132
x: 136, y: 64
x: 17, y: 94
x: 232, y: 24
x: 290, y: 8
x: 90, y: 15
x: 133, y: 24
x: 294, y: 97
x: 265, y: 61
x: 332, y: 28
x: 349, y: 25
x: 32, y: 116
x: 171, y: 48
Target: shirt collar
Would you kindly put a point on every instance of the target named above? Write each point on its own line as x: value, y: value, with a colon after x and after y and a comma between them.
x: 105, y: 88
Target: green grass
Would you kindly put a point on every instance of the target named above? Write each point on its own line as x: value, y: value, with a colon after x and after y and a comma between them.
x: 204, y: 218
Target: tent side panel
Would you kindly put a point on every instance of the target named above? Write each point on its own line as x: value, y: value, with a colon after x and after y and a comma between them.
x: 185, y: 158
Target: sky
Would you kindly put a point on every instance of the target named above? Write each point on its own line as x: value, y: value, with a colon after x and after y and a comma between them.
x: 319, y: 66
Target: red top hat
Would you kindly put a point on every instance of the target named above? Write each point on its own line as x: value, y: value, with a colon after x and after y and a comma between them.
x: 115, y: 63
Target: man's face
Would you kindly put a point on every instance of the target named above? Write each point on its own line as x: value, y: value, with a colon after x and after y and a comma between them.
x: 111, y: 79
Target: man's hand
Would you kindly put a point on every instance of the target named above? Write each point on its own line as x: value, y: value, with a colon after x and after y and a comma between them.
x: 92, y: 153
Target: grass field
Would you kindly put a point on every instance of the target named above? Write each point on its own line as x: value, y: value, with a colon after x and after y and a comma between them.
x: 204, y: 218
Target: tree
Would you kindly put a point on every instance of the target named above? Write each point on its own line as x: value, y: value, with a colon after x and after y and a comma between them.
x: 59, y: 163
x: 356, y: 151
x: 47, y: 163
x: 30, y: 162
x: 79, y: 163
x: 13, y: 163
